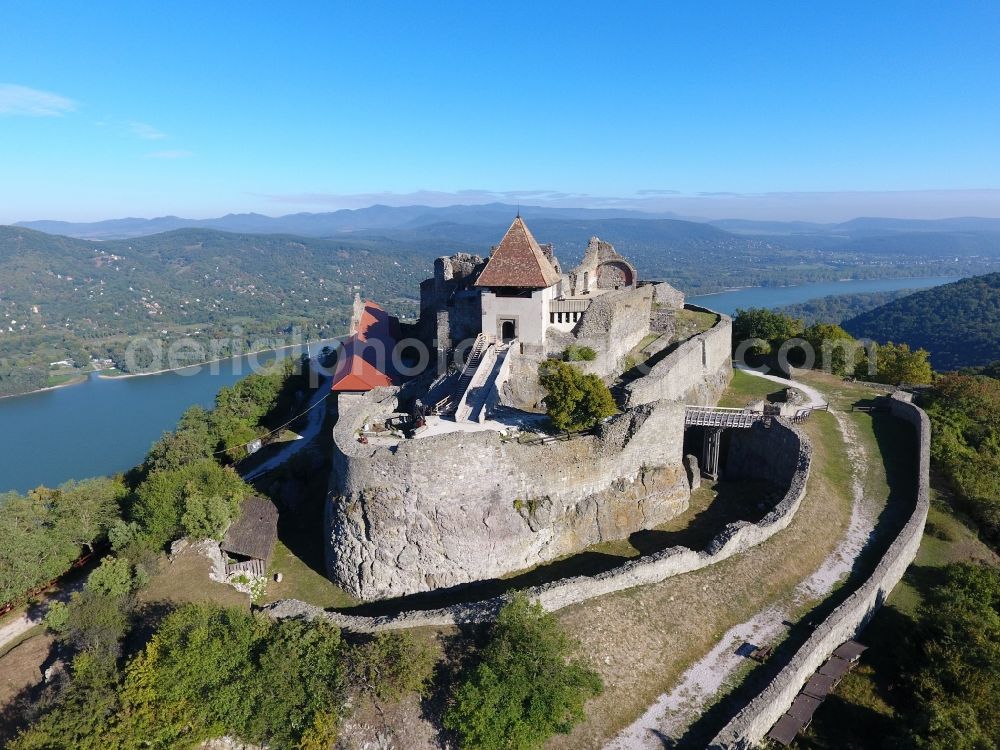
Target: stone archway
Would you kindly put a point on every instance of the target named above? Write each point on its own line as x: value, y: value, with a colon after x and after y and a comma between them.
x: 615, y: 275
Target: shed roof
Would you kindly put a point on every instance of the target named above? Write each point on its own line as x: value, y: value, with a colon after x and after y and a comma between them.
x: 518, y: 261
x: 785, y: 730
x: 253, y: 534
x: 803, y: 708
x: 820, y: 686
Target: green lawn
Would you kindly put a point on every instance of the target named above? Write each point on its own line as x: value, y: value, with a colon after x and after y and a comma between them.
x: 300, y: 581
x: 745, y: 388
x: 61, y: 378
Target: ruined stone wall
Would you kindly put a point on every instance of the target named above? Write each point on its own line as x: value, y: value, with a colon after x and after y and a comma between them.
x: 696, y: 372
x: 465, y: 506
x: 786, y: 443
x: 750, y: 725
x: 613, y: 325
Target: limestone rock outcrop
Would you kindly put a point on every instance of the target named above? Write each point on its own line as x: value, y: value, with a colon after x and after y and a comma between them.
x: 465, y: 506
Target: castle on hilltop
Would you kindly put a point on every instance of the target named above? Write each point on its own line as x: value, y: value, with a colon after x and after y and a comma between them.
x: 446, y: 474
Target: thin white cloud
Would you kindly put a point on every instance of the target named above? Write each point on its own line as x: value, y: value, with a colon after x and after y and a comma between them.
x: 146, y: 132
x: 28, y: 102
x: 169, y: 154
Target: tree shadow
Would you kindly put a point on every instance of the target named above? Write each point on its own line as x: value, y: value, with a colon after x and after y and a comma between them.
x: 461, y: 653
x: 29, y: 703
x: 299, y: 490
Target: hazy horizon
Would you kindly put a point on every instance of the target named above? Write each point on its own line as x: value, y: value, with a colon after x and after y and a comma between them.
x: 822, y: 208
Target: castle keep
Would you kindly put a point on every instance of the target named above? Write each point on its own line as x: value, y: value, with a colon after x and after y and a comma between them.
x: 450, y: 476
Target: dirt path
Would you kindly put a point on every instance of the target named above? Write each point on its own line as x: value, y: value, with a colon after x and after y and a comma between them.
x: 21, y: 624
x: 668, y: 717
x: 314, y: 422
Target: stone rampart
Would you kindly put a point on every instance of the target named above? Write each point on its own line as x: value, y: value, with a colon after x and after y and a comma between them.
x: 696, y: 372
x: 750, y: 725
x: 733, y: 539
x: 439, y: 511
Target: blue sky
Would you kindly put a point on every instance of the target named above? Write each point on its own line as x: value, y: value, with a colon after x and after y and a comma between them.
x: 786, y: 111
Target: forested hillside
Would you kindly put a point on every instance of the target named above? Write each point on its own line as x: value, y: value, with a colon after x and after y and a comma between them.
x: 67, y: 298
x: 226, y: 293
x: 959, y: 324
x: 836, y: 308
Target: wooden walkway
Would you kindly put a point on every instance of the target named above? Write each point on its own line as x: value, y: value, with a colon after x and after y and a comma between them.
x: 719, y: 416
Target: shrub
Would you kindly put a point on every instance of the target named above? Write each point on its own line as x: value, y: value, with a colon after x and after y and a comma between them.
x: 574, y: 401
x: 390, y: 665
x: 577, y: 353
x: 524, y: 690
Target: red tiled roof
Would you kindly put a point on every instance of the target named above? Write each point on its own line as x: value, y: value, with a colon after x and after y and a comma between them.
x: 365, y: 361
x: 518, y: 261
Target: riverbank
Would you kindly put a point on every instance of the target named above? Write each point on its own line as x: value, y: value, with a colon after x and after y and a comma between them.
x: 184, y: 371
x: 104, y: 374
x: 76, y: 380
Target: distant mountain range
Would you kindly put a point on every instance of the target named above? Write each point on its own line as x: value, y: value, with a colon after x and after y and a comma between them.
x: 411, y: 218
x: 959, y: 323
x: 329, y: 223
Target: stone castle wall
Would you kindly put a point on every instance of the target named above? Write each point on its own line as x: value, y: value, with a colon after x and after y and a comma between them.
x: 696, y: 372
x: 750, y: 725
x: 612, y: 325
x: 465, y: 506
x: 733, y: 539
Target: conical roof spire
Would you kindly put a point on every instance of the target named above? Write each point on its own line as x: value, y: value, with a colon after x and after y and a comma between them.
x: 518, y: 261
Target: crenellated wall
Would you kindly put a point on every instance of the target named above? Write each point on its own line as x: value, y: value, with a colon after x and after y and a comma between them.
x: 464, y: 506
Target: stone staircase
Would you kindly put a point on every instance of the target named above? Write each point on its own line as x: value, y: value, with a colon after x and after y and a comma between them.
x: 479, y: 348
x: 447, y: 405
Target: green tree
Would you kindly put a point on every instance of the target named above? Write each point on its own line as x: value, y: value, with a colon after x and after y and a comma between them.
x: 573, y: 401
x: 965, y: 444
x: 524, y: 690
x: 958, y: 677
x: 391, y: 665
x: 771, y: 328
x: 835, y: 349
x: 43, y: 532
x: 198, y: 499
x: 896, y: 364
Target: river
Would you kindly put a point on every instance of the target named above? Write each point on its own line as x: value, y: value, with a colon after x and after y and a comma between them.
x: 105, y: 425
x: 779, y: 296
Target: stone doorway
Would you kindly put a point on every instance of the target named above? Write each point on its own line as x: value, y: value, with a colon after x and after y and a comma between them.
x: 508, y: 330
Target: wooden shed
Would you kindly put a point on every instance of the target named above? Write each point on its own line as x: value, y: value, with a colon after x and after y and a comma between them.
x: 249, y: 542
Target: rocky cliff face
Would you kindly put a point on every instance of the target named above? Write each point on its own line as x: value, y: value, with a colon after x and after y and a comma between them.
x: 461, y: 507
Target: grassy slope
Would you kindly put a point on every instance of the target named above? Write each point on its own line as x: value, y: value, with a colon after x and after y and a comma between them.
x: 643, y: 640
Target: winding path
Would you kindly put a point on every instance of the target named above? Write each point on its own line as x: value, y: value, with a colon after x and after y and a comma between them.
x: 314, y: 422
x: 670, y: 715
